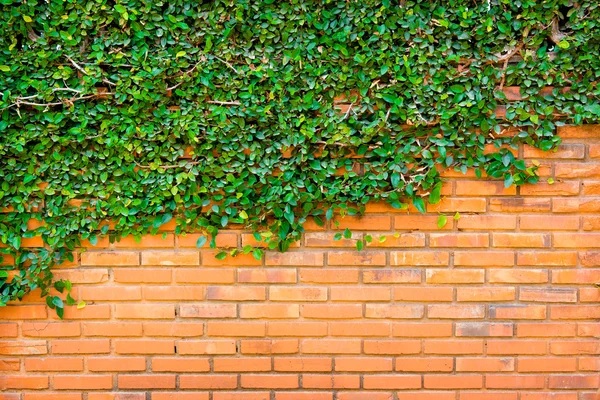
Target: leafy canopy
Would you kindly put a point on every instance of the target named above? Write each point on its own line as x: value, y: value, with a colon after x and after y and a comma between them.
x: 214, y: 113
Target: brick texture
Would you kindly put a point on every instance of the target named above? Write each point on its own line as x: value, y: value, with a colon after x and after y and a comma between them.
x: 499, y: 304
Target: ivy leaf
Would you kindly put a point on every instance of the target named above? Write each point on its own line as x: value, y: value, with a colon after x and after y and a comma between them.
x: 4, y: 68
x: 419, y: 204
x: 359, y: 245
x: 347, y: 233
x: 456, y: 216
x: 442, y: 221
x: 434, y: 196
x: 27, y: 18
x: 201, y: 241
x: 3, y: 274
x: 81, y: 305
x: 257, y: 253
x: 221, y: 255
x: 337, y: 236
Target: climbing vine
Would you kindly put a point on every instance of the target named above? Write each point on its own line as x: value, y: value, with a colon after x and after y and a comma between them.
x: 117, y: 117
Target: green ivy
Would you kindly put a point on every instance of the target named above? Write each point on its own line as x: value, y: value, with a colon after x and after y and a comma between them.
x: 218, y: 112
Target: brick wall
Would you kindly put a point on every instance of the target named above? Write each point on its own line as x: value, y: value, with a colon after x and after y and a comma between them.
x: 497, y: 305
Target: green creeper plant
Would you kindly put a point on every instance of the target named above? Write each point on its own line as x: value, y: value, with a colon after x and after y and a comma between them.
x: 118, y: 116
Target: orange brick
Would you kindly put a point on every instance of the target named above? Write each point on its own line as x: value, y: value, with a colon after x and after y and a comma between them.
x: 249, y: 381
x: 109, y: 293
x: 591, y: 188
x: 589, y: 258
x: 413, y: 258
x: 547, y: 258
x: 453, y: 347
x: 518, y: 347
x: 180, y: 329
x: 589, y: 295
x: 54, y: 364
x: 170, y: 293
x: 109, y: 258
x: 546, y: 330
x: 359, y: 396
x: 423, y: 395
x: 235, y: 293
x: 87, y: 346
x: 364, y: 223
x: 23, y: 312
x: 297, y: 329
x: 574, y: 312
x: 266, y: 275
x: 588, y: 364
x: 520, y: 204
x: 198, y: 347
x: 223, y: 239
x: 145, y: 275
x: 112, y: 329
x: 49, y: 329
x: 327, y: 239
x: 302, y: 364
x: 89, y: 312
x: 295, y: 258
x: 178, y: 364
x: 83, y: 382
x: 364, y: 329
x: 451, y: 205
x: 485, y: 294
x: 360, y: 294
x: 423, y: 294
x: 576, y: 170
x: 422, y: 329
x: 179, y: 396
x: 514, y: 381
x: 547, y: 364
x: 484, y: 188
x: 548, y: 295
x: 254, y: 364
x: 477, y: 329
x: 530, y: 240
x: 591, y: 223
x: 398, y: 240
x: 392, y: 347
x: 488, y: 396
x: 487, y: 222
x: 394, y: 311
x: 337, y: 381
x: 236, y: 329
x: 303, y: 396
x: 391, y: 276
x: 170, y: 258
x: 277, y: 346
x: 549, y: 223
x: 144, y: 346
x: 153, y: 381
x: 459, y: 240
x: 424, y: 364
x: 116, y: 364
x: 453, y: 382
x: 48, y: 396
x: 206, y: 382
x: 363, y: 364
x: 146, y: 241
x: 582, y: 205
x: 517, y: 276
x: 332, y: 311
x: 574, y: 382
x: 294, y: 293
x: 29, y: 347
x: 242, y: 396
x: 575, y: 348
x: 562, y: 151
x: 356, y: 258
x: 578, y: 276
x: 453, y: 276
x: 513, y: 312
x: 210, y: 258
x: 568, y: 188
x: 484, y: 364
x: 392, y: 382
x: 144, y: 311
x: 338, y: 275
x: 208, y: 310
x: 9, y: 364
x: 8, y: 382
x: 331, y: 346
x: 419, y: 222
x: 270, y: 311
x: 582, y: 131
x: 205, y: 275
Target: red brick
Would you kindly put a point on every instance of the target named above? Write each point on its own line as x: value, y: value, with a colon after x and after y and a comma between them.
x: 110, y: 293
x: 424, y: 364
x: 574, y: 348
x: 364, y: 223
x: 484, y: 188
x: 242, y: 396
x: 520, y: 204
x: 392, y: 347
x: 517, y: 276
x: 577, y: 170
x: 568, y: 188
x: 423, y: 395
x: 112, y: 329
x: 419, y: 222
x: 478, y: 329
x: 547, y: 258
x: 23, y: 312
x: 270, y: 311
x: 146, y: 241
x: 391, y: 276
x: 249, y: 381
x: 145, y: 346
x: 23, y: 382
x: 488, y: 396
x: 575, y: 312
x: 518, y: 347
x: 9, y: 330
x: 394, y: 311
x: 360, y: 396
x: 364, y: 329
x: 179, y: 396
x: 588, y: 364
x: 297, y: 329
x: 581, y: 205
x: 447, y: 204
x: 327, y: 239
x: 548, y: 295
x: 338, y: 275
x: 332, y: 311
x: 587, y: 329
x: 337, y: 381
x: 530, y: 240
x: 576, y: 240
x: 49, y: 396
x: 145, y: 275
x: 46, y: 329
x: 574, y: 382
x: 548, y: 223
x: 205, y: 275
x: 459, y: 240
x: 87, y: 346
x: 513, y: 312
x: 210, y: 258
x: 26, y: 347
x: 254, y: 364
x: 303, y: 364
x: 235, y: 293
x: 398, y: 240
x: 100, y: 311
x: 422, y: 329
x: 590, y: 258
x: 360, y: 294
x: 170, y: 293
x: 303, y: 396
x: 180, y: 329
x: 579, y: 276
x: 546, y: 330
x: 9, y: 364
x: 303, y: 258
x: 487, y: 222
x: 223, y: 239
x: 456, y: 311
x: 392, y: 382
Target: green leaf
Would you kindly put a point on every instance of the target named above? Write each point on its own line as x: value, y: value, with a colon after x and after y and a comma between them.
x: 347, y: 233
x: 434, y: 196
x: 442, y: 221
x: 208, y: 45
x: 201, y: 241
x: 4, y: 68
x: 257, y: 253
x: 243, y: 214
x: 27, y: 18
x: 419, y: 204
x: 337, y: 236
x: 81, y: 305
x: 359, y: 245
x: 221, y: 255
x: 3, y: 274
x: 456, y: 216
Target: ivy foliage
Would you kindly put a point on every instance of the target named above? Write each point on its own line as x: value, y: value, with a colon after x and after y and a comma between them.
x: 119, y: 116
